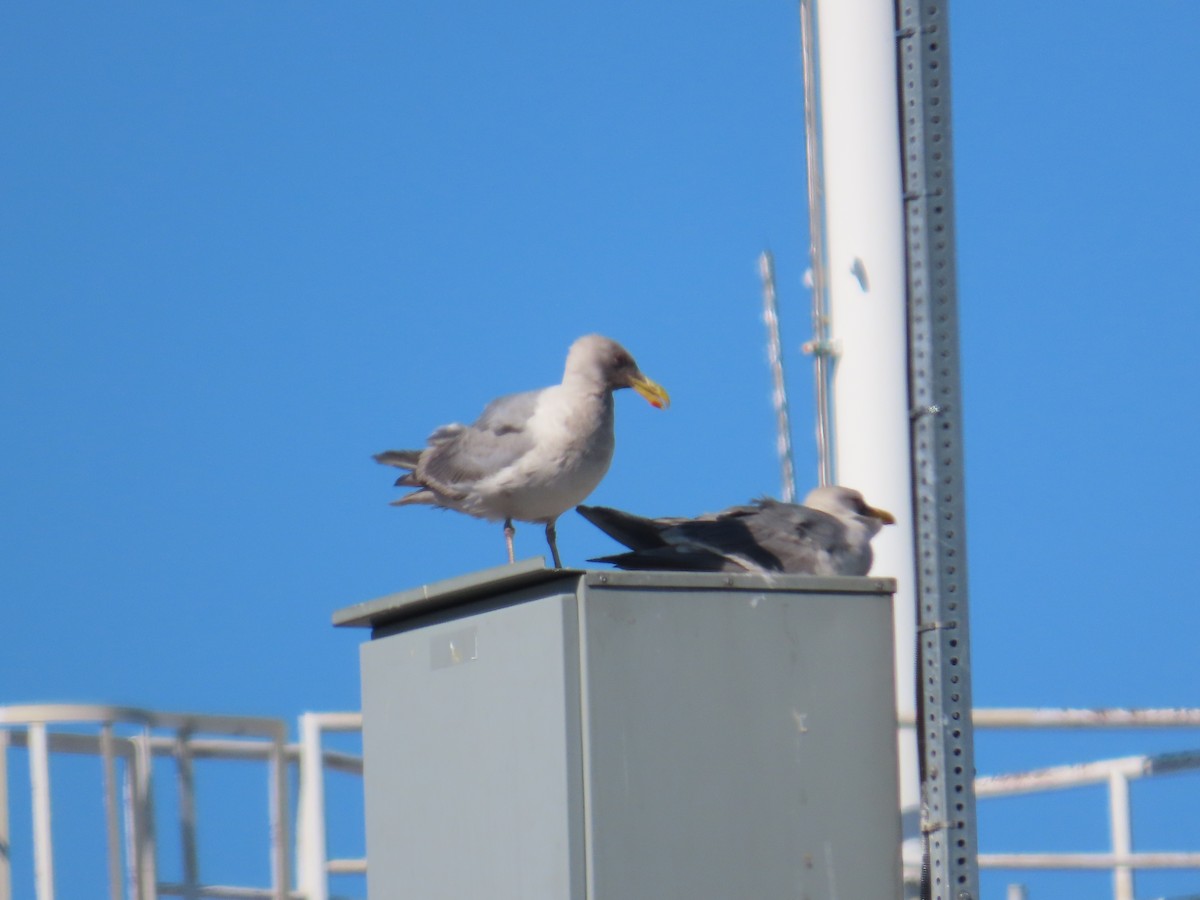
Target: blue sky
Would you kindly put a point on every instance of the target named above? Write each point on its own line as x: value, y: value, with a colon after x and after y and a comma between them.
x: 242, y: 248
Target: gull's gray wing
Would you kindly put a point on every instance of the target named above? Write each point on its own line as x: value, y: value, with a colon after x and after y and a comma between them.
x: 765, y: 536
x: 678, y: 544
x: 461, y: 455
x: 714, y: 542
x: 800, y: 538
x: 729, y: 534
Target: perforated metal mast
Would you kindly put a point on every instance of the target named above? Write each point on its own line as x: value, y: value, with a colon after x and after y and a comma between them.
x: 944, y: 693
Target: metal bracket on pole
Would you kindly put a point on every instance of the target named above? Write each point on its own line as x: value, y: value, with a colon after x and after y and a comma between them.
x: 943, y: 673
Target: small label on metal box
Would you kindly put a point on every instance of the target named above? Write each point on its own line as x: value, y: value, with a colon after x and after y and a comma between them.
x: 452, y: 648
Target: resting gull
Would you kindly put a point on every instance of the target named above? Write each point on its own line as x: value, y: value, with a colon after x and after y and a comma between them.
x: 529, y: 456
x: 830, y: 535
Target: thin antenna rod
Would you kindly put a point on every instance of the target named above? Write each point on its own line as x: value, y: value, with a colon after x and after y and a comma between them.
x: 783, y: 425
x: 819, y: 347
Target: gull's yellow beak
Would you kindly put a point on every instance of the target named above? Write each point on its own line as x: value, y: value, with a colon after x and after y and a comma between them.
x: 655, y: 394
x: 882, y: 515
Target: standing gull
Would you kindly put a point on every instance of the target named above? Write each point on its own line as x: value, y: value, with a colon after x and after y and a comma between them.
x: 529, y: 456
x: 830, y: 535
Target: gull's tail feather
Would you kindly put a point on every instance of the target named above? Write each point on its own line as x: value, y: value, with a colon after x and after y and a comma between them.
x: 407, y: 460
x: 401, y: 459
x: 424, y: 495
x: 635, y: 532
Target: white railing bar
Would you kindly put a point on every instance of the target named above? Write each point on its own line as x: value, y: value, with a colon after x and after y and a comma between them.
x: 215, y: 748
x: 1081, y: 774
x: 1088, y: 860
x: 71, y: 742
x: 232, y: 748
x: 1017, y: 717
x: 1032, y: 717
x: 225, y: 892
x: 39, y: 786
x: 337, y: 761
x: 197, y: 723
x: 347, y: 866
x: 1121, y: 830
x: 338, y: 721
x: 198, y: 748
x: 1059, y: 777
x: 222, y: 748
x: 112, y: 816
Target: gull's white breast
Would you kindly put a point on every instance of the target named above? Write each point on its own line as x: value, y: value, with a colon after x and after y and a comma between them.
x: 572, y: 447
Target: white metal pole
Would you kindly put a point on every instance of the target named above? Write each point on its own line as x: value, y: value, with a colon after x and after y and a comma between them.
x: 112, y: 818
x: 39, y: 785
x: 1122, y: 834
x: 144, y: 852
x: 132, y: 829
x: 819, y: 346
x: 866, y: 279
x: 310, y: 867
x: 186, y: 783
x: 278, y: 800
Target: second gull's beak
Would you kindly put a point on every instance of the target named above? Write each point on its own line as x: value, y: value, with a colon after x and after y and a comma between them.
x: 882, y: 515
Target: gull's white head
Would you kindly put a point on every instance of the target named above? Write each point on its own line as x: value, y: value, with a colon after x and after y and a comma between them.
x: 847, y: 505
x: 602, y: 361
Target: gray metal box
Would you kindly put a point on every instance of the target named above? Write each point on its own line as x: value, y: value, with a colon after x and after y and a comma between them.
x: 532, y: 733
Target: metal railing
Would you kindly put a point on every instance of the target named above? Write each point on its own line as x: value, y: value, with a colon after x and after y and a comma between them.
x: 1120, y: 859
x: 1117, y: 774
x: 127, y: 741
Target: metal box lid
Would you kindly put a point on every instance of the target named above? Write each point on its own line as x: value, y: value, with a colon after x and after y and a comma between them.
x: 463, y: 589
